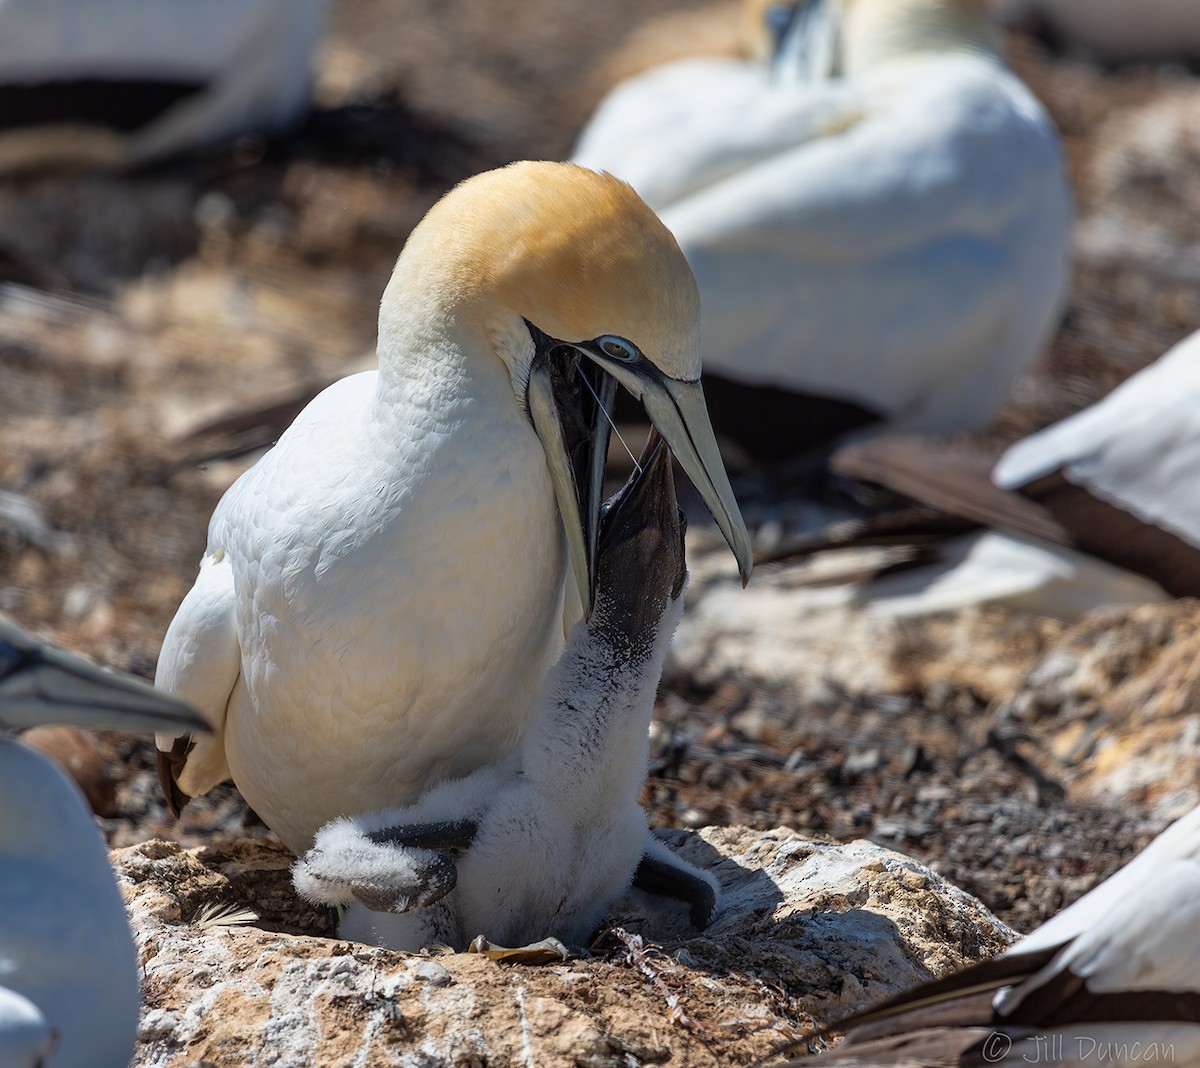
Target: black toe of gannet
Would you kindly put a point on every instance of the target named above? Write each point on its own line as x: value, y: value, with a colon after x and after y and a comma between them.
x: 1112, y: 980
x: 67, y: 961
x: 541, y: 844
x: 879, y: 222
x: 382, y: 594
x: 125, y: 81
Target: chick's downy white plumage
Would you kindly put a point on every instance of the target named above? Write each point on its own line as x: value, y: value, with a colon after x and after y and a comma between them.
x: 541, y: 844
x: 382, y: 593
x: 68, y: 970
x: 1112, y: 980
x: 880, y: 219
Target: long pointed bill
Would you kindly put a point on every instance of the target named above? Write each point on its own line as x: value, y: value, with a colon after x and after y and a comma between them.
x: 807, y: 51
x: 679, y: 414
x: 40, y: 684
x: 574, y: 431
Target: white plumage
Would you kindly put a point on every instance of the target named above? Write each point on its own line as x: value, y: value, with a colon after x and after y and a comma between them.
x: 896, y: 237
x: 1138, y: 448
x: 1138, y: 930
x: 245, y: 66
x: 1100, y: 508
x: 67, y: 960
x: 26, y: 1039
x: 550, y: 838
x: 382, y: 593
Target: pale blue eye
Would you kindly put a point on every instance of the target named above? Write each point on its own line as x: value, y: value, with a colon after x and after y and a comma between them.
x: 618, y: 348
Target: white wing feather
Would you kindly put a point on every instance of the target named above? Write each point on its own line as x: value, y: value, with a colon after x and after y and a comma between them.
x: 1138, y: 448
x: 201, y: 662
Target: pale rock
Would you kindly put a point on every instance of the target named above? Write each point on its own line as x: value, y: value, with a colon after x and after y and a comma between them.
x: 806, y: 931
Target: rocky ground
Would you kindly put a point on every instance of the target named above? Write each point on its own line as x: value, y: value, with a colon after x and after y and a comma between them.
x: 1023, y: 758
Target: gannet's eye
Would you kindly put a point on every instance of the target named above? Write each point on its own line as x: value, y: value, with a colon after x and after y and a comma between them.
x: 618, y: 348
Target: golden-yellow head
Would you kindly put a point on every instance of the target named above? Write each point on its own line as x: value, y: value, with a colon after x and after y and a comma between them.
x: 570, y: 279
x: 576, y: 253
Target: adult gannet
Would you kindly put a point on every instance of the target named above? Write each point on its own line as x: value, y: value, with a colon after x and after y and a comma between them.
x: 1112, y: 980
x: 382, y: 593
x: 889, y: 243
x: 125, y: 81
x: 542, y: 843
x: 1115, y: 31
x: 1117, y: 481
x: 67, y: 961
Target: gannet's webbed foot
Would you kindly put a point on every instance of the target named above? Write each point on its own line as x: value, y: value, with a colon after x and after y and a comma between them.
x: 547, y: 951
x: 661, y: 872
x: 388, y: 869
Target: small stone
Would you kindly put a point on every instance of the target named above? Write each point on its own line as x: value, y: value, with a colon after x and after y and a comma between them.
x: 157, y: 1023
x: 433, y: 973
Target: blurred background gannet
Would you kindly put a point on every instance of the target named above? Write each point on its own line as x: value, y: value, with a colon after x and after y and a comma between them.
x: 66, y: 952
x: 878, y: 221
x: 1109, y: 494
x: 126, y: 81
x: 539, y: 845
x: 382, y: 594
x: 1112, y: 980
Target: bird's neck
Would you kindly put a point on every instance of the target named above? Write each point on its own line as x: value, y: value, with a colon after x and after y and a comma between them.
x: 586, y: 744
x: 438, y: 346
x: 875, y: 34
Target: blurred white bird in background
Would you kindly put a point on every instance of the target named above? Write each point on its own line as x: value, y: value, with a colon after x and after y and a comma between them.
x: 1112, y: 980
x: 1100, y: 508
x: 122, y: 82
x: 68, y: 968
x: 879, y: 221
x: 1115, y: 31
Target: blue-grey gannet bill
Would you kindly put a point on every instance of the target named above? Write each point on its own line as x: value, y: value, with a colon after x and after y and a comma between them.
x: 1117, y: 481
x: 68, y: 969
x: 382, y: 594
x: 1112, y: 980
x: 125, y: 81
x: 540, y: 844
x: 879, y: 222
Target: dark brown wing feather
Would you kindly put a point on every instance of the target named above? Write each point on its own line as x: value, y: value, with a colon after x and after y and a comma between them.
x: 953, y: 475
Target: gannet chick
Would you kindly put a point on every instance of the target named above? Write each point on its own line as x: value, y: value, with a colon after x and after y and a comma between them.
x: 540, y: 844
x: 127, y: 81
x: 65, y: 945
x: 382, y: 594
x: 1112, y: 980
x: 879, y: 222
